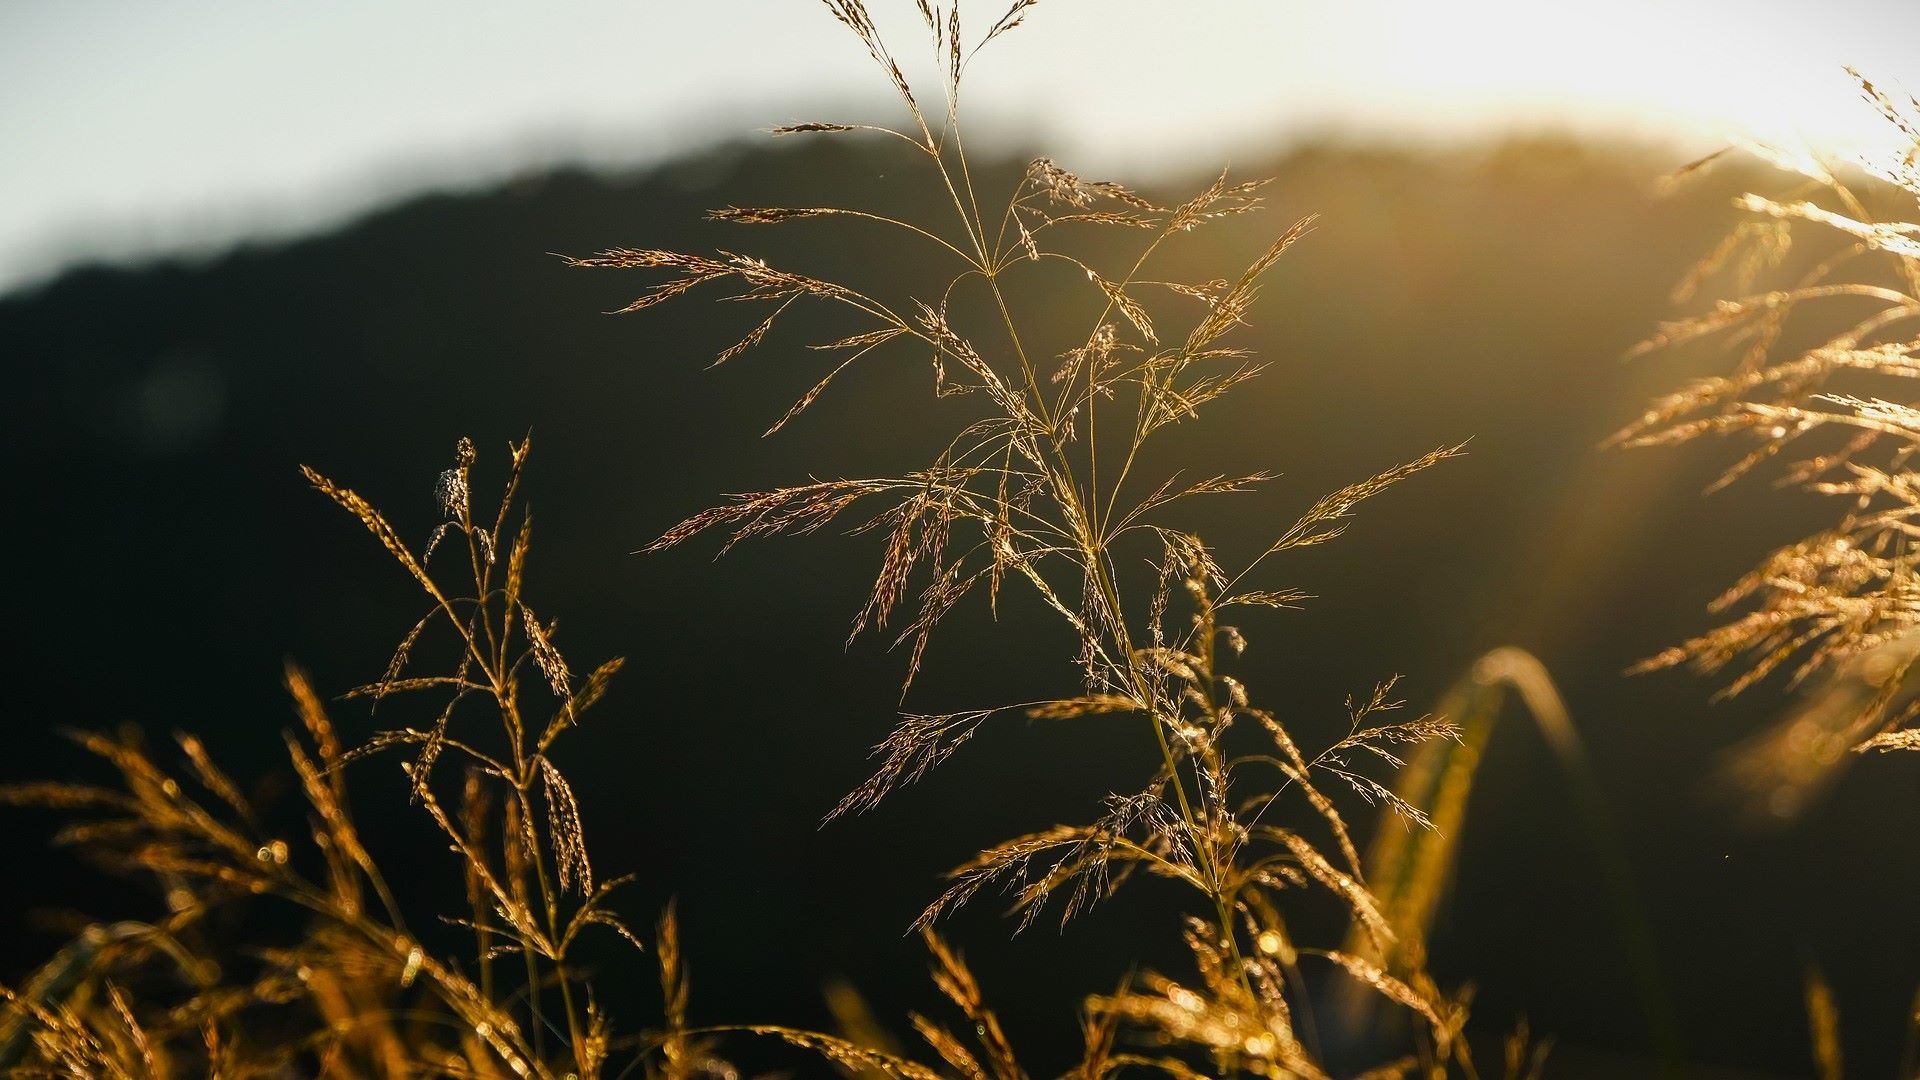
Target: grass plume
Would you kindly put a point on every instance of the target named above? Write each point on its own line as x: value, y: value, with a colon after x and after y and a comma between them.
x: 1048, y: 484
x: 1822, y: 370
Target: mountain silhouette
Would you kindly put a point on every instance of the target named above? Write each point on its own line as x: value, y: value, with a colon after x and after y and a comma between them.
x: 165, y: 559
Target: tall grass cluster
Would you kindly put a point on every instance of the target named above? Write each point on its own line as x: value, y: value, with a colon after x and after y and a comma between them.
x: 1821, y: 355
x: 1819, y: 366
x: 273, y: 953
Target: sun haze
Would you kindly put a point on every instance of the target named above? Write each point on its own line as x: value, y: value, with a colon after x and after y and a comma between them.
x: 226, y: 120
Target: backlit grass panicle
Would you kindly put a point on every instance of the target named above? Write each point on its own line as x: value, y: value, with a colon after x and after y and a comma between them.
x: 1841, y: 414
x: 357, y: 993
x: 956, y: 981
x: 1050, y: 483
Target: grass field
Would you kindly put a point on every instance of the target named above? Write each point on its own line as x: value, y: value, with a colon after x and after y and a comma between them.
x: 1097, y: 593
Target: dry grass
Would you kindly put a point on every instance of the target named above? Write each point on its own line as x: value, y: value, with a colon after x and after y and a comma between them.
x: 355, y: 992
x: 1822, y: 372
x: 1822, y: 375
x: 1051, y: 482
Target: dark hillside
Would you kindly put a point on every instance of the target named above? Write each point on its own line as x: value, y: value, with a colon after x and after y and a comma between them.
x: 165, y: 558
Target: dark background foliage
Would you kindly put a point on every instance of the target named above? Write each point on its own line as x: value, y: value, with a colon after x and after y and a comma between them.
x: 166, y: 558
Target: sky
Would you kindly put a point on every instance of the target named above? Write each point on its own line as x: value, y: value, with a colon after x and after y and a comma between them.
x: 130, y: 128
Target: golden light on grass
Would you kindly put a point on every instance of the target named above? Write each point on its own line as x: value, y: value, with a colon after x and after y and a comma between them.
x: 1046, y: 484
x: 1051, y: 482
x: 1838, y: 411
x: 1055, y: 479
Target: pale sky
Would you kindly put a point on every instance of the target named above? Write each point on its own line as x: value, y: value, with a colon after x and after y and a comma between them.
x: 136, y: 127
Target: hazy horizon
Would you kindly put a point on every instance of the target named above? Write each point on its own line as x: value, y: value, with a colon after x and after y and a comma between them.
x: 258, y: 124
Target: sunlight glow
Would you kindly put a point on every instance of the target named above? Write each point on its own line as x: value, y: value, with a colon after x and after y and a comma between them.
x: 224, y: 119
